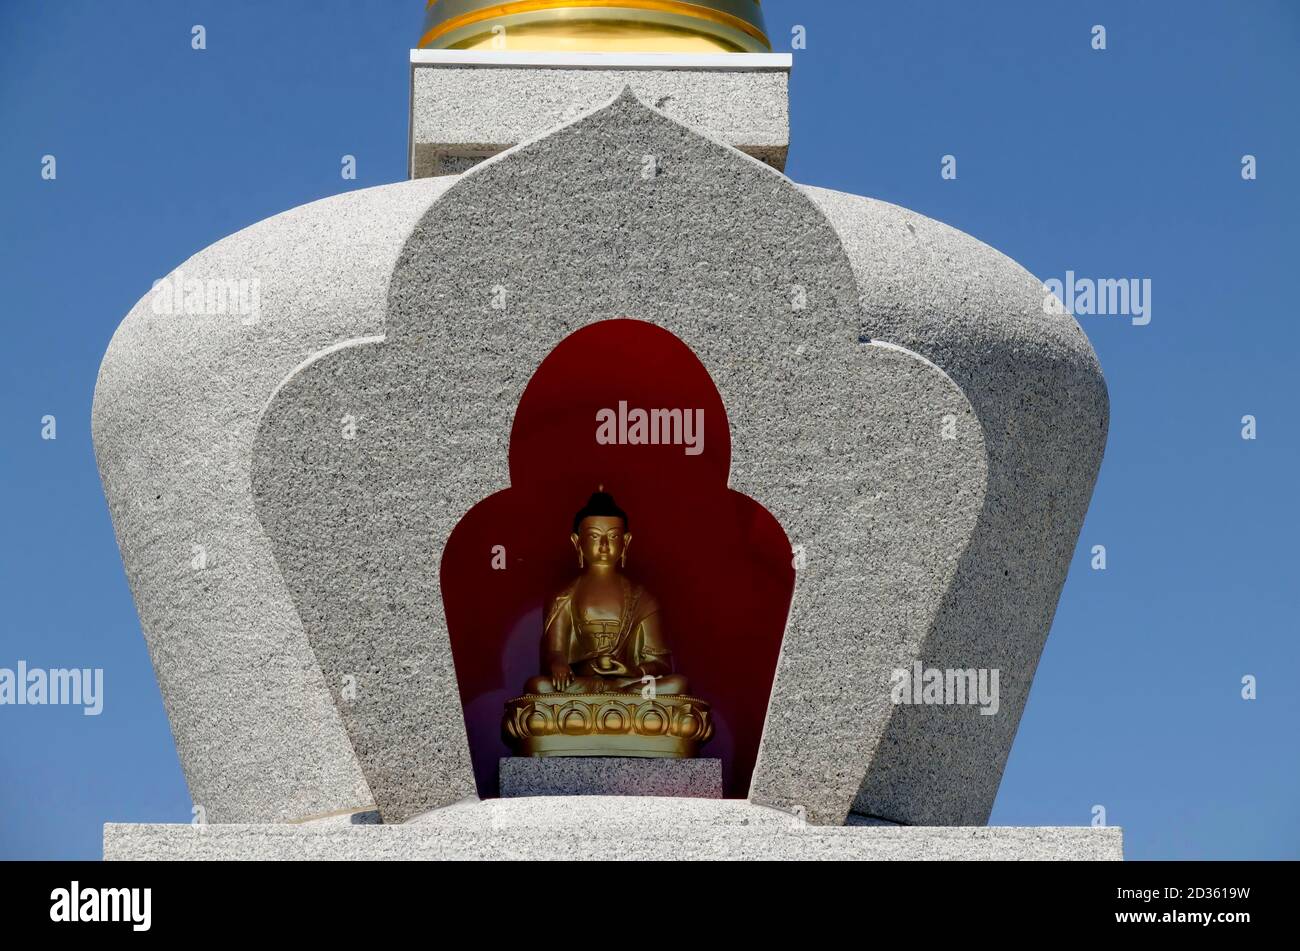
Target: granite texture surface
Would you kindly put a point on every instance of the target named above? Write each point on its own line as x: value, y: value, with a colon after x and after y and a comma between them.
x: 843, y: 442
x: 920, y: 426
x: 462, y: 114
x: 607, y: 828
x: 610, y: 776
x: 1041, y: 401
x: 176, y: 405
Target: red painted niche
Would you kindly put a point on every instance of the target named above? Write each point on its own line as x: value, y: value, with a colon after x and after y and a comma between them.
x: 718, y: 562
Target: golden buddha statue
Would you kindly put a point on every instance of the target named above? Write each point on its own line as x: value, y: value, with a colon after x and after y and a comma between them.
x: 599, y: 26
x: 602, y: 632
x: 608, y: 687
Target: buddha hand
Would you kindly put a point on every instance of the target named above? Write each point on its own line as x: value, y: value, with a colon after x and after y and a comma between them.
x: 561, y: 675
x: 609, y: 667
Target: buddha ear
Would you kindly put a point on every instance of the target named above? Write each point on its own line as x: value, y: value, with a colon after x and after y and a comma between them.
x: 574, y: 539
x: 627, y: 539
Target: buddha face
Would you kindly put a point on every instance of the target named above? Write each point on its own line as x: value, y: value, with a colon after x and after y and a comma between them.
x: 601, y: 540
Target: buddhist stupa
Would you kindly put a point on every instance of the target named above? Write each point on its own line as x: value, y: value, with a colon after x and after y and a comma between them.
x: 343, y: 474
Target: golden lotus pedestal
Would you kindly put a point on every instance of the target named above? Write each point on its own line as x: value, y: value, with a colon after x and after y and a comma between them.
x: 607, y: 724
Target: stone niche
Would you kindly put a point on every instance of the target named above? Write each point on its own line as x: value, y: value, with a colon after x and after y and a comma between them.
x: 901, y: 442
x: 718, y: 562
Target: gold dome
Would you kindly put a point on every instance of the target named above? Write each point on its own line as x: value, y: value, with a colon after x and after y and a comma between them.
x: 600, y: 26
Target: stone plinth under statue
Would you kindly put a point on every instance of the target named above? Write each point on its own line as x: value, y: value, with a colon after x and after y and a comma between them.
x: 678, y: 778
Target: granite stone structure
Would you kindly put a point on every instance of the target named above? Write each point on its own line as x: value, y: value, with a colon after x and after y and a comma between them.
x: 811, y: 453
x: 605, y: 828
x: 610, y: 776
x: 283, y: 478
x: 520, y: 96
x: 176, y: 408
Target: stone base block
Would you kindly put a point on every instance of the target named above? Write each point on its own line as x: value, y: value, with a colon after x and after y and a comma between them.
x: 610, y: 776
x: 606, y: 828
x: 468, y: 105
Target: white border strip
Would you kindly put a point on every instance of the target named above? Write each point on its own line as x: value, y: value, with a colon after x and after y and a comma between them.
x: 730, y: 62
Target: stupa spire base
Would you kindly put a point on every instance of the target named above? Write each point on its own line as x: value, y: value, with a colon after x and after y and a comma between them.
x: 468, y: 105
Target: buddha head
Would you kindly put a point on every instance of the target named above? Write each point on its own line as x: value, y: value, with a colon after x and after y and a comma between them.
x: 600, y: 534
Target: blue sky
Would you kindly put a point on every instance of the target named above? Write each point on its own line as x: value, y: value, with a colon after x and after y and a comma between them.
x: 1117, y: 163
